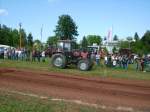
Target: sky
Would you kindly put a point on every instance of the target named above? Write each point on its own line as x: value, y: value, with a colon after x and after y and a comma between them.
x: 93, y: 17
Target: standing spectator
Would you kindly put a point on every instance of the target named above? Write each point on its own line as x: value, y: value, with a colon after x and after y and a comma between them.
x: 16, y: 54
x: 13, y: 55
x: 22, y: 54
x: 114, y: 62
x: 112, y: 59
x: 10, y: 54
x: 137, y: 61
x: 25, y: 55
x: 5, y: 53
x: 19, y: 54
x: 142, y: 64
x: 125, y: 62
x: 28, y: 55
x: 34, y: 55
x: 93, y: 57
x: 120, y: 61
x: 43, y: 56
x: 109, y: 64
x: 38, y: 56
x: 97, y: 58
x: 105, y: 60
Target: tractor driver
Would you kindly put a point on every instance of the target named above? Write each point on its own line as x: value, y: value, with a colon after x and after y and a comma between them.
x: 84, y: 54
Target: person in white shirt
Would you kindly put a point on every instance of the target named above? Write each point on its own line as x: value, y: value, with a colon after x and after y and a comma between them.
x: 19, y: 54
x: 43, y: 56
x: 114, y: 62
x: 105, y: 60
x: 5, y: 54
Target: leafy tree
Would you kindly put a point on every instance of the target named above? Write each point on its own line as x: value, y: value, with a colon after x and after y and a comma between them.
x: 105, y: 50
x: 30, y: 41
x: 146, y: 41
x: 124, y: 44
x: 37, y: 41
x: 37, y: 45
x: 75, y: 45
x: 115, y: 38
x: 4, y: 35
x: 23, y: 38
x: 15, y: 38
x: 114, y: 49
x: 66, y: 28
x: 9, y: 36
x: 52, y: 40
x: 94, y: 39
x: 137, y: 47
x: 129, y: 39
x: 136, y: 37
x: 84, y: 43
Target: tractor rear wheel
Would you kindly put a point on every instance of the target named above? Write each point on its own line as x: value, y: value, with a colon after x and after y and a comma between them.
x: 84, y: 65
x: 59, y: 60
x: 91, y: 64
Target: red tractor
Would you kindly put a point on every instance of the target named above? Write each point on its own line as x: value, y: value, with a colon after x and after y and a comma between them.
x: 65, y: 55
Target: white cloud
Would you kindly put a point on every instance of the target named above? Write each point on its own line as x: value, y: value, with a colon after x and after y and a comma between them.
x: 3, y: 12
x: 50, y: 1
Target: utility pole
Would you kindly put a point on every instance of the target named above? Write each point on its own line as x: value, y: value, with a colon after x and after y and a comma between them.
x: 41, y: 37
x: 20, y: 35
x: 41, y: 33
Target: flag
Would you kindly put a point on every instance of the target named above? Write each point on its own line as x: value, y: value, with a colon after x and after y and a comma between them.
x: 109, y: 36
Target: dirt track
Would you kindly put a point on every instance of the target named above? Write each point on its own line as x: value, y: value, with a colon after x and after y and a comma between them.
x: 102, y: 91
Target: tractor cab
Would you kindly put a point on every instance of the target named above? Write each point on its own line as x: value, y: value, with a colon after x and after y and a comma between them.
x: 65, y: 45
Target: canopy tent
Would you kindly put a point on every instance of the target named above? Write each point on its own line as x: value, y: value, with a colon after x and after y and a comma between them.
x: 5, y: 46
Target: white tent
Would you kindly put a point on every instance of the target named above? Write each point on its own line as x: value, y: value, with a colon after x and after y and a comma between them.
x: 5, y: 46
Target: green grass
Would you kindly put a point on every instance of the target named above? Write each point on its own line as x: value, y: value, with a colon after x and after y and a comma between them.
x: 99, y: 71
x: 17, y: 103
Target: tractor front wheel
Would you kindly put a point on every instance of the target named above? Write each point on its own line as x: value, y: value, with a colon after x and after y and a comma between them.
x: 84, y: 65
x: 59, y: 60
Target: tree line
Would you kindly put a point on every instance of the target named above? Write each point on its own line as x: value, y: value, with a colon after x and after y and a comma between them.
x: 66, y: 29
x: 139, y: 45
x: 11, y: 37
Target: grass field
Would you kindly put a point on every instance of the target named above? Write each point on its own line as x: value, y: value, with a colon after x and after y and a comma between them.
x: 18, y: 103
x: 99, y: 71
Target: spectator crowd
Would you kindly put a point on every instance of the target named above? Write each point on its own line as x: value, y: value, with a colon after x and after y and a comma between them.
x: 24, y: 55
x: 115, y: 60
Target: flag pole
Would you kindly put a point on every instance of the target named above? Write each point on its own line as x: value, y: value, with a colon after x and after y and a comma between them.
x: 112, y: 32
x: 41, y: 37
x: 20, y: 35
x: 41, y: 32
